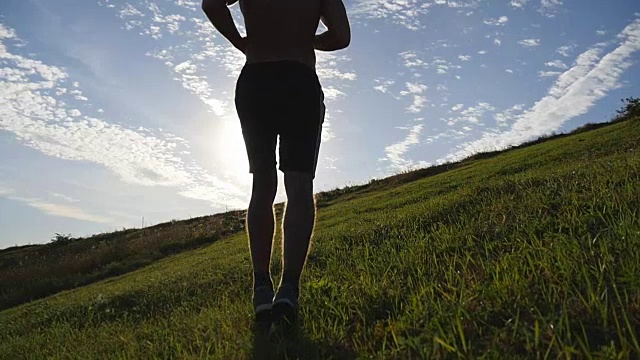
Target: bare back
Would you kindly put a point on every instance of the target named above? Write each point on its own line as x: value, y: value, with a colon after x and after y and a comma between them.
x: 281, y: 29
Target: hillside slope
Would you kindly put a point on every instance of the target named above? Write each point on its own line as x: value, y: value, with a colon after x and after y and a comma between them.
x: 531, y: 253
x: 35, y: 271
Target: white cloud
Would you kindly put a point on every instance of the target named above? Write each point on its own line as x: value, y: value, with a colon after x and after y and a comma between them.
x: 443, y: 66
x: 199, y: 86
x: 470, y: 115
x: 383, y: 85
x: 405, y: 13
x: 497, y: 42
x: 74, y: 112
x: 457, y: 107
x: 529, y: 42
x: 550, y: 3
x: 549, y: 8
x: 573, y: 94
x: 395, y: 153
x: 163, y: 55
x: 154, y: 31
x: 504, y: 118
x: 173, y: 22
x: 129, y: 10
x: 557, y: 64
x: 191, y: 5
x: 62, y: 210
x: 584, y: 64
x: 7, y: 33
x: 518, y: 3
x: 331, y: 93
x: 54, y: 209
x: 456, y: 134
x: 565, y: 50
x: 543, y: 74
x: 464, y: 57
x: 64, y: 197
x: 418, y: 104
x: 501, y: 21
x: 410, y: 60
x: 415, y: 90
x: 204, y: 31
x: 459, y: 4
x: 328, y: 67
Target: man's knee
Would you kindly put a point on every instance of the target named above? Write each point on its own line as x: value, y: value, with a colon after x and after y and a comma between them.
x: 265, y: 184
x: 298, y: 184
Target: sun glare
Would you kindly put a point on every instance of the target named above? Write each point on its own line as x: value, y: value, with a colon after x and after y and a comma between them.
x: 230, y: 151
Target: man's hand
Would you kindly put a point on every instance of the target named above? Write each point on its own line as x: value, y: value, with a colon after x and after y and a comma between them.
x: 219, y: 15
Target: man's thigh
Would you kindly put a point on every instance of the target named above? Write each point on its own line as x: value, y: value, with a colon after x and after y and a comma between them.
x: 259, y: 125
x: 301, y: 136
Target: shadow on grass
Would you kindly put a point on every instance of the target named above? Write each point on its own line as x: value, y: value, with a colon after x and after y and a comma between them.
x: 293, y: 343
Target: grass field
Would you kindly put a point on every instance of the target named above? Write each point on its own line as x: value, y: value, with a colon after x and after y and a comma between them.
x: 531, y: 253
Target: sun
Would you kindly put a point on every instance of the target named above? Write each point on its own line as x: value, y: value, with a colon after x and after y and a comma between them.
x: 230, y: 150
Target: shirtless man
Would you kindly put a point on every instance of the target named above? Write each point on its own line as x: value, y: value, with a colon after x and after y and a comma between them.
x: 278, y: 94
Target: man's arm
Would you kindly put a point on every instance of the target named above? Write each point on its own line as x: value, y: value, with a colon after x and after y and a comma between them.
x: 338, y: 34
x: 220, y: 17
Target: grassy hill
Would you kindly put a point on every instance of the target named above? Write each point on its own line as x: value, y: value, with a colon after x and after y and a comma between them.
x: 529, y: 253
x: 35, y: 271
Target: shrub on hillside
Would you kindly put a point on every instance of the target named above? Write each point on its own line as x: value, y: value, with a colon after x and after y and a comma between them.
x: 61, y: 239
x: 631, y: 108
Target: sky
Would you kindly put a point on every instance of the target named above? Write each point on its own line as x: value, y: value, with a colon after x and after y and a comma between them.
x: 119, y: 113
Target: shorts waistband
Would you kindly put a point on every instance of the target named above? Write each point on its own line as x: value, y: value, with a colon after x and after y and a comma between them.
x: 278, y: 64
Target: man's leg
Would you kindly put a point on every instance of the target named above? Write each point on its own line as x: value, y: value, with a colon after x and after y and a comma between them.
x: 260, y: 223
x: 298, y: 224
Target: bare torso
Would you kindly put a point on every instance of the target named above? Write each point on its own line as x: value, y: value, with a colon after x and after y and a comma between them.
x: 281, y: 29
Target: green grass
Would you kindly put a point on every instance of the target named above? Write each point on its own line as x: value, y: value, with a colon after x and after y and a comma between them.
x: 532, y: 253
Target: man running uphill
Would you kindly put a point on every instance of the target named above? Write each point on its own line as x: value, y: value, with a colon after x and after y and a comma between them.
x: 278, y: 94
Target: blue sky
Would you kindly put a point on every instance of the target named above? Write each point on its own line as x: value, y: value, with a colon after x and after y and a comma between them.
x: 115, y: 110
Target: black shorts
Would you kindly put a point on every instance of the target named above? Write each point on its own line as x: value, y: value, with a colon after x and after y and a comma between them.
x: 280, y: 98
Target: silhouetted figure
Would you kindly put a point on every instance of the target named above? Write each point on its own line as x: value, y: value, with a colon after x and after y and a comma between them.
x: 278, y: 94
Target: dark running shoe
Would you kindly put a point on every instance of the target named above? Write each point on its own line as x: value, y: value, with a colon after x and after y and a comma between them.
x: 262, y: 303
x: 285, y: 305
